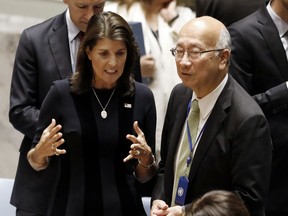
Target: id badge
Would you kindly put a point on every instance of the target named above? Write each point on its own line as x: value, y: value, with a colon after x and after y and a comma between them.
x: 181, y: 190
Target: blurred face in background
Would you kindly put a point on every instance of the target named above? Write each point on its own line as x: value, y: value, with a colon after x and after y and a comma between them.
x: 82, y: 10
x: 165, y: 3
x: 156, y: 5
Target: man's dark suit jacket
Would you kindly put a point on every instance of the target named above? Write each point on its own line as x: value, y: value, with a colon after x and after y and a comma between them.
x: 233, y: 154
x: 227, y: 12
x: 42, y: 56
x: 260, y: 65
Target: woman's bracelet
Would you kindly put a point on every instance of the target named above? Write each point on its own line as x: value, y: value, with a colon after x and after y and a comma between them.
x: 34, y: 165
x: 147, y: 166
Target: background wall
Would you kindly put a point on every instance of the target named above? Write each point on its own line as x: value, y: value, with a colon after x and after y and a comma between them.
x: 15, y: 15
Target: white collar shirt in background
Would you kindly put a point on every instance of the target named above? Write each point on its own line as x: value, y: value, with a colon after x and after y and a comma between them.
x: 282, y: 28
x: 74, y: 41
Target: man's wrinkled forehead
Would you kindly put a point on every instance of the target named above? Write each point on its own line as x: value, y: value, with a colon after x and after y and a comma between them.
x: 191, y: 37
x: 200, y: 32
x: 89, y: 2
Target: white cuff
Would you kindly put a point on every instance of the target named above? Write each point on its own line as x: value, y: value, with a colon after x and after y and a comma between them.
x: 183, y: 211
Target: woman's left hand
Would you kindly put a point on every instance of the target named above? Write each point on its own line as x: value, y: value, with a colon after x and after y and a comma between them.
x: 139, y: 149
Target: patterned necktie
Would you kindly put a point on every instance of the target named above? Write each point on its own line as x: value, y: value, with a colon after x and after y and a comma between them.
x: 77, y: 40
x: 182, y: 168
x: 80, y: 35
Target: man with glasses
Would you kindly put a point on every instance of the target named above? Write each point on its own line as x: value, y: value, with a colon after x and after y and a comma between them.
x: 222, y: 143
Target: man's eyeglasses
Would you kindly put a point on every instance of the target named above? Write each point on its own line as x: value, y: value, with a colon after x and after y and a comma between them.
x: 192, y: 55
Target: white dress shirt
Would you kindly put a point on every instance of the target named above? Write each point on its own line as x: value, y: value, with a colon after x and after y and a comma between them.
x: 282, y: 27
x: 74, y: 41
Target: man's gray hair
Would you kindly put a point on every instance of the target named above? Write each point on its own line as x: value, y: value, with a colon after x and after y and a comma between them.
x: 224, y: 40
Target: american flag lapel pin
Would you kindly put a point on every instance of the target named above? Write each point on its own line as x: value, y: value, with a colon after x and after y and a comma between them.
x: 127, y: 105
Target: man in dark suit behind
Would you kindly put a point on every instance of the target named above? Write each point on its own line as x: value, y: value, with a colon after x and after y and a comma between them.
x: 259, y: 63
x: 233, y: 146
x: 227, y: 12
x: 46, y: 52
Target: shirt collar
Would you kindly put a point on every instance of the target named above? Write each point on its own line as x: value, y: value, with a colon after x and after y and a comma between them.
x: 281, y: 25
x: 207, y: 103
x: 73, y: 30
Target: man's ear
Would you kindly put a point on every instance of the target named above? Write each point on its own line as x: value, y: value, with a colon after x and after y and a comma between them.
x: 224, y: 56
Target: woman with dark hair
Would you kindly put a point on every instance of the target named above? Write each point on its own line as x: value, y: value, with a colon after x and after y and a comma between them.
x: 218, y: 203
x: 99, y: 112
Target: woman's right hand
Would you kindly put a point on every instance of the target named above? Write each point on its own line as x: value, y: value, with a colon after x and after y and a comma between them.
x: 50, y: 140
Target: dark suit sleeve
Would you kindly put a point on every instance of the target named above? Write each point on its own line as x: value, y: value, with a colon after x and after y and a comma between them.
x: 42, y: 56
x: 158, y: 190
x: 24, y: 109
x: 251, y: 158
x: 171, y: 129
x: 253, y: 65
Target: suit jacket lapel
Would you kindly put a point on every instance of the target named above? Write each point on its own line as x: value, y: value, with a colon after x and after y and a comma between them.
x: 179, y: 122
x: 212, y: 126
x: 271, y: 36
x: 180, y: 100
x: 84, y: 110
x: 60, y: 46
x: 126, y: 109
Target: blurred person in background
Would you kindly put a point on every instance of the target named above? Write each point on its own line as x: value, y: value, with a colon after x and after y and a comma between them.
x: 227, y: 12
x: 259, y: 63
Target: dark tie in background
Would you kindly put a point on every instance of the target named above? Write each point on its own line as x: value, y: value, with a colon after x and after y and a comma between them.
x: 80, y: 35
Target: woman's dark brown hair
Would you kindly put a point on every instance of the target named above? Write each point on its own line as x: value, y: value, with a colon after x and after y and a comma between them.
x: 218, y: 203
x: 112, y: 26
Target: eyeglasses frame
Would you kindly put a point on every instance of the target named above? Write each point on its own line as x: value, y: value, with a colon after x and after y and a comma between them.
x: 174, y: 51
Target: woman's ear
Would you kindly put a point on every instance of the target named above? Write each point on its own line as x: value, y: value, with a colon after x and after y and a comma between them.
x: 88, y: 52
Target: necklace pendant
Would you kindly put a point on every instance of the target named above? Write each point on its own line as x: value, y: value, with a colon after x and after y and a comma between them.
x: 103, y: 114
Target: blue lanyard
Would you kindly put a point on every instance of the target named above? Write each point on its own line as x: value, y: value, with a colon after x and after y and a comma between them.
x: 189, y: 159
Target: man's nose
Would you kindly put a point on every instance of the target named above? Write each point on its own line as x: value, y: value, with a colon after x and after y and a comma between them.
x: 185, y: 59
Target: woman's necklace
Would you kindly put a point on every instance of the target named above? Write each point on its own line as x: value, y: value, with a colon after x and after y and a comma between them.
x: 103, y: 112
